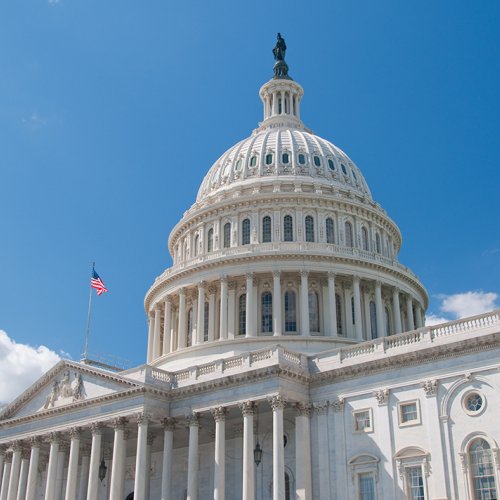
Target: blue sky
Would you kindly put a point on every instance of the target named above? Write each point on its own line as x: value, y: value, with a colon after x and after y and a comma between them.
x: 112, y: 112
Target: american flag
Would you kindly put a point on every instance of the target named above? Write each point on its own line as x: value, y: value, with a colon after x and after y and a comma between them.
x: 96, y: 282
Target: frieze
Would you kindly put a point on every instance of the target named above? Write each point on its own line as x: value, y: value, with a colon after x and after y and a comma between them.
x: 68, y: 389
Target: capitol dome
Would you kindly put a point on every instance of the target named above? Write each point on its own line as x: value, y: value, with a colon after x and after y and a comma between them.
x: 284, y: 243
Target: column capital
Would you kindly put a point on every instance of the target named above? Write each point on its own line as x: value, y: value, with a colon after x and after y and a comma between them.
x: 35, y: 441
x: 430, y: 387
x: 182, y: 291
x: 150, y: 438
x: 321, y: 408
x: 304, y: 273
x: 331, y: 275
x: 193, y: 419
x: 382, y: 396
x: 119, y: 423
x: 143, y: 418
x: 168, y: 300
x: 219, y: 413
x: 223, y: 278
x: 202, y: 285
x: 54, y: 437
x: 302, y: 409
x: 169, y: 423
x: 276, y: 274
x: 277, y: 402
x: 356, y: 278
x: 338, y: 404
x: 212, y: 289
x: 97, y: 428
x: 16, y: 446
x: 75, y: 433
x: 378, y: 284
x: 396, y: 290
x: 249, y: 276
x: 247, y: 408
x: 231, y: 285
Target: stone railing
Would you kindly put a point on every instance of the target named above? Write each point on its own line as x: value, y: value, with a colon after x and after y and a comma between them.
x: 420, y: 338
x: 265, y: 357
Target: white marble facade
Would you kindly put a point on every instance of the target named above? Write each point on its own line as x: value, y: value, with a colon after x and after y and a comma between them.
x: 286, y: 325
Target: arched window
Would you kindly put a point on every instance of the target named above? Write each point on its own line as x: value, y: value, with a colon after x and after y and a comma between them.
x: 338, y: 308
x: 196, y: 243
x: 205, y: 325
x: 313, y: 311
x: 190, y: 327
x: 210, y: 240
x: 266, y: 229
x: 227, y: 235
x: 373, y: 320
x: 267, y: 312
x: 482, y: 470
x: 309, y: 228
x: 290, y: 311
x: 387, y: 322
x: 242, y: 315
x: 269, y: 159
x: 348, y: 234
x: 377, y: 242
x: 364, y: 238
x: 288, y: 228
x: 245, y: 232
x: 330, y: 235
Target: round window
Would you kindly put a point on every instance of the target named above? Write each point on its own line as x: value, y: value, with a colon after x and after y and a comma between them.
x: 473, y: 403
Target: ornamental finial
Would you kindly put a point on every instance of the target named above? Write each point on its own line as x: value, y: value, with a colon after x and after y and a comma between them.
x: 280, y: 66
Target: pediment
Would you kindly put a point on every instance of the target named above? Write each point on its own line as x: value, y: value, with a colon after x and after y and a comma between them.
x: 65, y: 384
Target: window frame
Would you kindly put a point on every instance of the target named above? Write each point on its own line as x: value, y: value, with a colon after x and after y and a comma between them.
x: 409, y: 423
x: 466, y: 396
x: 309, y: 228
x: 226, y: 236
x: 266, y: 218
x: 365, y: 430
x: 285, y: 218
x: 365, y: 463
x: 245, y: 231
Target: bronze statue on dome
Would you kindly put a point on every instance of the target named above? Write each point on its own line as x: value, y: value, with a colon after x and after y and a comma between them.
x: 280, y: 66
x: 279, y: 49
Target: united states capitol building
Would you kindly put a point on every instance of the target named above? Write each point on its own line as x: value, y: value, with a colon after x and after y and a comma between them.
x: 287, y: 356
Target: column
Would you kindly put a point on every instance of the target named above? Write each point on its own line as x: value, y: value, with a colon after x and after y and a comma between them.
x: 2, y: 460
x: 31, y: 489
x: 168, y: 447
x: 275, y: 103
x: 61, y: 462
x: 14, y: 471
x: 119, y: 455
x: 167, y: 327
x: 149, y: 445
x: 52, y: 466
x: 249, y: 307
x: 409, y: 314
x: 182, y: 319
x: 141, y: 461
x: 347, y: 310
x: 278, y: 404
x: 338, y: 433
x: 292, y: 112
x: 396, y: 311
x: 223, y: 308
x: 277, y: 321
x: 95, y: 457
x: 23, y: 476
x: 74, y: 451
x: 419, y: 323
x: 248, y: 408
x: 303, y: 478
x: 157, y: 337
x: 84, y: 473
x: 379, y: 309
x: 231, y: 311
x: 6, y: 476
x: 332, y: 302
x: 304, y: 303
x: 323, y: 451
x: 358, y: 322
x: 200, y: 322
x: 192, y: 486
x: 151, y: 325
x: 211, y: 313
x: 220, y: 453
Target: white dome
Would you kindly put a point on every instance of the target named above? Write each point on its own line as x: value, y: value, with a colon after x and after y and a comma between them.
x: 283, y: 153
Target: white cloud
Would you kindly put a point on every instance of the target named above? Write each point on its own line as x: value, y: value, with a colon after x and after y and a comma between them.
x: 21, y: 365
x: 462, y: 305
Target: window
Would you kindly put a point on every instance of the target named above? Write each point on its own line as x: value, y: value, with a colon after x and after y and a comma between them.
x: 238, y: 165
x: 245, y: 232
x: 288, y: 228
x: 329, y: 230
x: 352, y: 311
x: 266, y: 229
x: 302, y: 159
x: 373, y: 320
x: 364, y: 238
x: 205, y: 324
x: 377, y: 242
x: 362, y: 421
x: 227, y: 235
x: 196, y: 243
x: 253, y: 161
x: 482, y: 470
x: 331, y: 165
x: 338, y: 308
x: 415, y: 483
x: 313, y: 311
x: 366, y: 486
x: 409, y: 413
x: 267, y: 312
x: 473, y: 403
x: 210, y: 240
x: 309, y: 228
x: 269, y: 159
x: 344, y: 170
x: 348, y: 234
x: 317, y: 161
x: 354, y: 175
x: 242, y: 315
x: 285, y: 158
x: 290, y: 312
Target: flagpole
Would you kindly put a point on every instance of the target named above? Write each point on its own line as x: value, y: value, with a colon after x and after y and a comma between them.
x: 85, y: 355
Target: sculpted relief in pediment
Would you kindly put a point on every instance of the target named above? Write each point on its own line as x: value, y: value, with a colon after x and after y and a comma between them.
x: 66, y: 390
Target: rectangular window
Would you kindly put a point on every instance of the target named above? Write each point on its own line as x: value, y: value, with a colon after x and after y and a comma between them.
x: 366, y: 486
x: 409, y: 413
x: 415, y: 483
x: 362, y: 421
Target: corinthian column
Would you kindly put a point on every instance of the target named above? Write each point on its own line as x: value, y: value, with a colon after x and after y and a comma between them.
x: 95, y: 456
x: 192, y: 486
x: 168, y: 445
x: 358, y: 322
x: 277, y: 322
x: 278, y: 404
x: 151, y: 325
x: 304, y: 303
x: 201, y: 314
x: 303, y: 453
x: 182, y: 319
x: 220, y: 452
x: 379, y: 307
x: 332, y: 304
x: 50, y: 486
x: 167, y: 327
x: 33, y: 468
x: 409, y: 314
x: 14, y: 471
x: 6, y: 476
x: 223, y: 308
x: 396, y: 310
x: 250, y: 317
x: 248, y: 409
x: 141, y: 459
x: 157, y: 330
x: 23, y: 475
x: 61, y: 462
x: 74, y: 452
x: 118, y: 464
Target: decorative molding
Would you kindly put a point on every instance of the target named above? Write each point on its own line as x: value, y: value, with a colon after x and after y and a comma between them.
x: 143, y: 418
x: 219, y: 413
x: 277, y: 402
x: 247, y: 408
x: 97, y: 428
x: 430, y: 387
x: 321, y: 408
x: 75, y: 433
x: 382, y: 396
x: 338, y: 404
x: 303, y: 409
x: 119, y: 423
x: 169, y: 423
x: 193, y: 419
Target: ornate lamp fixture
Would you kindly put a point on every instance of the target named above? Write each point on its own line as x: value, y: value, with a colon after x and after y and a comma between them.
x: 102, y: 470
x: 257, y: 451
